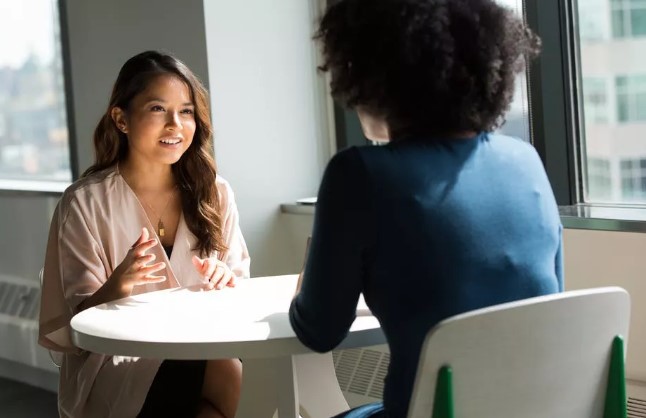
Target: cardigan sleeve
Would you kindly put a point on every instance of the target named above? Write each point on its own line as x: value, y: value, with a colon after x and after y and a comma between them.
x: 325, y: 308
x: 236, y: 256
x: 73, y: 271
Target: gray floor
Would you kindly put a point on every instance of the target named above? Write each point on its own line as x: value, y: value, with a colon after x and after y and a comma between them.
x: 18, y: 400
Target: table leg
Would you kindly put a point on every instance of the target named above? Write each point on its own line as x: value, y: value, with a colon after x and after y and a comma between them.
x: 268, y: 385
x: 318, y: 388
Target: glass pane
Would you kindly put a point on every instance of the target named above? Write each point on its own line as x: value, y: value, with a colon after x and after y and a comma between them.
x: 33, y: 122
x: 517, y: 119
x: 638, y: 22
x: 618, y: 19
x: 596, y: 100
x: 613, y: 72
x: 595, y: 26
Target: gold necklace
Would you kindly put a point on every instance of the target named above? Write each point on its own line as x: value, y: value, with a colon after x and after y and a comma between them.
x: 160, y: 224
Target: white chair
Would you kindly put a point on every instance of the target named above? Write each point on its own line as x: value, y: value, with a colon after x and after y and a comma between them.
x: 55, y: 356
x: 542, y: 357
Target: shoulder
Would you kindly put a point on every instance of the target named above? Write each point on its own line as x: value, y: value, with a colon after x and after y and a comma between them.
x: 511, y: 144
x: 348, y: 161
x: 88, y: 189
x: 346, y: 176
x: 225, y: 191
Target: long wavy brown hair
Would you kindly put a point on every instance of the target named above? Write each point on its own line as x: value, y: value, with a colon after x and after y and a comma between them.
x: 195, y: 171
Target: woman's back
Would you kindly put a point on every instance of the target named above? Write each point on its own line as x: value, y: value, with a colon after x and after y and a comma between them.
x: 427, y: 230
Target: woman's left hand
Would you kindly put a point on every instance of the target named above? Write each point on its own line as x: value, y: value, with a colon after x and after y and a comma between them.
x: 216, y: 273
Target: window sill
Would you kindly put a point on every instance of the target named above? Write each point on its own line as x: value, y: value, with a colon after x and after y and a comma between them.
x: 28, y: 187
x: 604, y: 218
x: 297, y: 209
x: 592, y: 217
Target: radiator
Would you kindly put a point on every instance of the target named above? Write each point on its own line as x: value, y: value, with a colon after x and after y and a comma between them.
x: 636, y: 399
x: 19, y: 350
x: 361, y: 373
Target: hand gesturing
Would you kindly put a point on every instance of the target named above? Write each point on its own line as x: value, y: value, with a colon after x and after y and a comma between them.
x: 134, y: 269
x: 216, y: 273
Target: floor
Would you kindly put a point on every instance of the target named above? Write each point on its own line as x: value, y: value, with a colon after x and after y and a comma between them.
x: 18, y: 400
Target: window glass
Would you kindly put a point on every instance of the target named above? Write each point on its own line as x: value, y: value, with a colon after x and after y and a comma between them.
x: 33, y: 122
x: 628, y: 18
x: 517, y: 118
x: 612, y: 35
x: 596, y: 103
x: 633, y: 180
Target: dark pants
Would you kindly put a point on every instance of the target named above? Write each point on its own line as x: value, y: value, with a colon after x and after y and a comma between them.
x: 176, y: 391
x: 373, y: 410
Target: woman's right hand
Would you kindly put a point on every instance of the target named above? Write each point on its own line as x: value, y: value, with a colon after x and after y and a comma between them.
x: 134, y: 269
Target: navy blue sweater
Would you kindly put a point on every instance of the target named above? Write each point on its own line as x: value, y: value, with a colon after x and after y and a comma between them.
x: 426, y: 230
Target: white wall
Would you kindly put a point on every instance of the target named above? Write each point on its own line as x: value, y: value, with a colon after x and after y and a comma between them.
x: 269, y: 118
x: 599, y: 258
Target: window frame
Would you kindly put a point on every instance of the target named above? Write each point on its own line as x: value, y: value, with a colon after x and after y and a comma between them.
x: 555, y: 97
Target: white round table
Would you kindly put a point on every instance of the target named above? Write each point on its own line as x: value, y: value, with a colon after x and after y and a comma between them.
x: 249, y: 322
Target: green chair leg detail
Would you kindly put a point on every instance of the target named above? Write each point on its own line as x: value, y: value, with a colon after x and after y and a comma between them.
x: 615, y: 404
x: 443, y: 402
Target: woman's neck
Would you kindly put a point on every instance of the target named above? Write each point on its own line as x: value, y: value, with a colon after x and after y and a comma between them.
x: 153, y: 178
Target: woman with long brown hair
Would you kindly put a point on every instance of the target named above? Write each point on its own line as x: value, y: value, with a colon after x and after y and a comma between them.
x: 150, y: 214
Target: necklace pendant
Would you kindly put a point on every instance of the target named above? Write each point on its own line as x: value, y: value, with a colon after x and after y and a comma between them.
x: 160, y: 229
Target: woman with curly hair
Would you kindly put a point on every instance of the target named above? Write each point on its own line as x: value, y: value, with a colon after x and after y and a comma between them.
x: 448, y: 216
x: 150, y: 214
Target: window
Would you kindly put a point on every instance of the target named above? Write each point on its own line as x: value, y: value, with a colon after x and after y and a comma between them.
x: 633, y: 180
x: 595, y: 100
x: 517, y: 118
x: 613, y: 74
x: 594, y: 25
x: 631, y: 98
x: 33, y: 121
x: 599, y: 179
x: 628, y: 18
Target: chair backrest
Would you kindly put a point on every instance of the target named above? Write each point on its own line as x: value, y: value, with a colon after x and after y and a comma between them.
x: 55, y: 356
x: 547, y: 356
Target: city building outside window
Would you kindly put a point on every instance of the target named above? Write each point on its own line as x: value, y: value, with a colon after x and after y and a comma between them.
x: 34, y: 143
x: 633, y: 180
x: 599, y: 178
x: 628, y: 18
x: 631, y: 98
x: 612, y: 41
x: 596, y: 106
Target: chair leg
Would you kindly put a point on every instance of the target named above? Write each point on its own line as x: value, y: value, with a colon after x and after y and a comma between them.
x: 443, y: 401
x: 615, y: 403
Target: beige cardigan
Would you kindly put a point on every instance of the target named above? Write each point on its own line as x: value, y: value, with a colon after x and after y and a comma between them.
x: 94, y: 225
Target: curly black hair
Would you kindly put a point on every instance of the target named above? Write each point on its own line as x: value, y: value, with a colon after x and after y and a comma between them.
x: 428, y: 67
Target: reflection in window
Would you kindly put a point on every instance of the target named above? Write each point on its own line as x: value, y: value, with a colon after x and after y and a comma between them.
x: 33, y: 122
x: 628, y: 18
